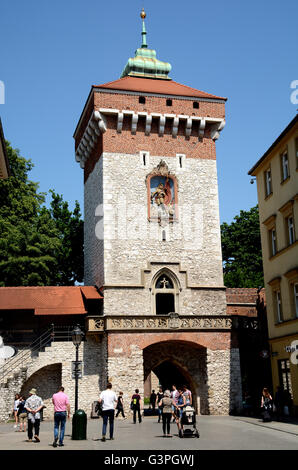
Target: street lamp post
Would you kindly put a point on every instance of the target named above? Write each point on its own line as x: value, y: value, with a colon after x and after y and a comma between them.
x: 79, y: 420
x: 76, y: 339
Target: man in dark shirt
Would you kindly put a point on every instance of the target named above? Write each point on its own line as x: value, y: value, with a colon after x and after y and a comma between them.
x: 136, y: 406
x: 153, y: 399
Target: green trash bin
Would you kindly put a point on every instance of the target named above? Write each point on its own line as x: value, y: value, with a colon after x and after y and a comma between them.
x: 79, y: 425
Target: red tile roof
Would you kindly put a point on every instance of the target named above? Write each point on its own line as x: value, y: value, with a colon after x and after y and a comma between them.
x: 148, y: 85
x: 50, y: 300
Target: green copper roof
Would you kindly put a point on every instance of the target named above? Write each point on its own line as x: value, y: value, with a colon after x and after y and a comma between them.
x: 145, y: 63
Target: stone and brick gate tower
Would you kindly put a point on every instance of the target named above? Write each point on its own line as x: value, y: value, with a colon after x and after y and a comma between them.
x: 152, y: 243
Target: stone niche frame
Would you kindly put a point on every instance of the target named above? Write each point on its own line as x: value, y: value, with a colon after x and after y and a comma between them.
x: 162, y: 170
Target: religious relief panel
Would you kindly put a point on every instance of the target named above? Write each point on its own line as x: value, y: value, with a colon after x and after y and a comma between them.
x: 162, y: 194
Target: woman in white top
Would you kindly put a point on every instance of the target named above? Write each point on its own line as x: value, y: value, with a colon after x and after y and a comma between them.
x: 15, y: 409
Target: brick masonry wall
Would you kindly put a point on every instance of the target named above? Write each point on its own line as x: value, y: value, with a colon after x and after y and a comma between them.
x: 206, y: 358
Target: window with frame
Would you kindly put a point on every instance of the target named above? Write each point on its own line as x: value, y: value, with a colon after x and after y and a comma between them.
x: 287, y: 211
x: 284, y: 373
x: 295, y: 288
x: 268, y: 182
x: 285, y: 173
x: 291, y: 230
x: 278, y: 306
x: 165, y: 293
x: 273, y: 242
x: 292, y: 277
x: 270, y: 224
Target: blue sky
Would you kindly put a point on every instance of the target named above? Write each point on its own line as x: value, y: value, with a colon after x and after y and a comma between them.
x: 53, y: 51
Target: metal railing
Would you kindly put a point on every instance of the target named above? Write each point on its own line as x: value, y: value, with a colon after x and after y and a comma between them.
x: 17, y: 362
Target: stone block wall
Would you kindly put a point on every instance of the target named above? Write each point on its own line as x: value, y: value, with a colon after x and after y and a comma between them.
x: 52, y: 368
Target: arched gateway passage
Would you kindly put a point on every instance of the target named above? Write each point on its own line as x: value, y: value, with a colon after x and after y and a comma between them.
x: 180, y: 363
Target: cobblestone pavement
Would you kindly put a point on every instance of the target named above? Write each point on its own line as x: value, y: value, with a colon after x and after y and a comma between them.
x: 216, y: 433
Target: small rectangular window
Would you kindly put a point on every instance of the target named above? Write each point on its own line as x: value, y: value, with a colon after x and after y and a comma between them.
x: 272, y: 234
x: 296, y: 299
x: 278, y: 306
x: 142, y: 99
x: 285, y: 166
x: 195, y: 105
x: 284, y: 372
x: 268, y: 184
x: 291, y: 233
x: 169, y: 102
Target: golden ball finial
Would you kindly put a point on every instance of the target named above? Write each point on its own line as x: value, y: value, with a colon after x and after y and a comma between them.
x: 143, y: 14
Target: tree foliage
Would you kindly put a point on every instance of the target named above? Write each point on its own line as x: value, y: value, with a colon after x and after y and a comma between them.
x: 38, y: 245
x: 241, y: 250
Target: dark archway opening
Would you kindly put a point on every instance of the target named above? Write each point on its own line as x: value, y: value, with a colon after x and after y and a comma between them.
x: 169, y: 374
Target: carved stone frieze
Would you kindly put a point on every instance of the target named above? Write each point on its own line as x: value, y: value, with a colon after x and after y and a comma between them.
x: 173, y: 321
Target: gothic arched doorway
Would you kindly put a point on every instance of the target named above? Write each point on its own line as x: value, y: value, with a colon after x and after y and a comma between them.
x: 179, y: 363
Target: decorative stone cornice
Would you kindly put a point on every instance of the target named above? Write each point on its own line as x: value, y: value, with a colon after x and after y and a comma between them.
x: 216, y: 124
x: 97, y: 124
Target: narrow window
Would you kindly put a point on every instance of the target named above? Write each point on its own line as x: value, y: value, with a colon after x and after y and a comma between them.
x: 291, y: 234
x: 169, y: 102
x: 268, y: 185
x: 180, y: 161
x: 284, y: 371
x: 195, y: 105
x: 165, y: 292
x: 164, y: 237
x: 273, y: 242
x: 142, y: 99
x: 296, y: 299
x: 278, y: 306
x: 144, y: 159
x: 285, y: 166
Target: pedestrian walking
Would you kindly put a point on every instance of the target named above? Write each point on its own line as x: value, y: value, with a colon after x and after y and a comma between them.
x: 15, y: 409
x: 174, y: 396
x: 159, y: 396
x: 22, y: 414
x: 153, y: 400
x: 108, y: 398
x: 61, y: 411
x: 120, y: 406
x: 167, y: 403
x: 188, y: 395
x: 266, y: 405
x: 33, y: 405
x: 181, y: 403
x: 136, y: 403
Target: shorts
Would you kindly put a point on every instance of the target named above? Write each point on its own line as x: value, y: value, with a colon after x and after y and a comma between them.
x: 22, y: 417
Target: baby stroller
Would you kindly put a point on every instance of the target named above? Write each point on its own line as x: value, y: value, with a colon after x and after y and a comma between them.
x: 189, y: 419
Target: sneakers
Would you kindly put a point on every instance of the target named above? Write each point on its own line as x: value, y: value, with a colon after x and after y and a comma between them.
x: 103, y: 438
x: 55, y: 443
x: 61, y: 444
x: 36, y: 438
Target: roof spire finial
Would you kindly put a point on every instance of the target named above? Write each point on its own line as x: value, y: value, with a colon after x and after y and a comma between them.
x: 144, y: 33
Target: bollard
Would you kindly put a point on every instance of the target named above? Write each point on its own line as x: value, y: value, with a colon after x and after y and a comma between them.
x: 79, y: 425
